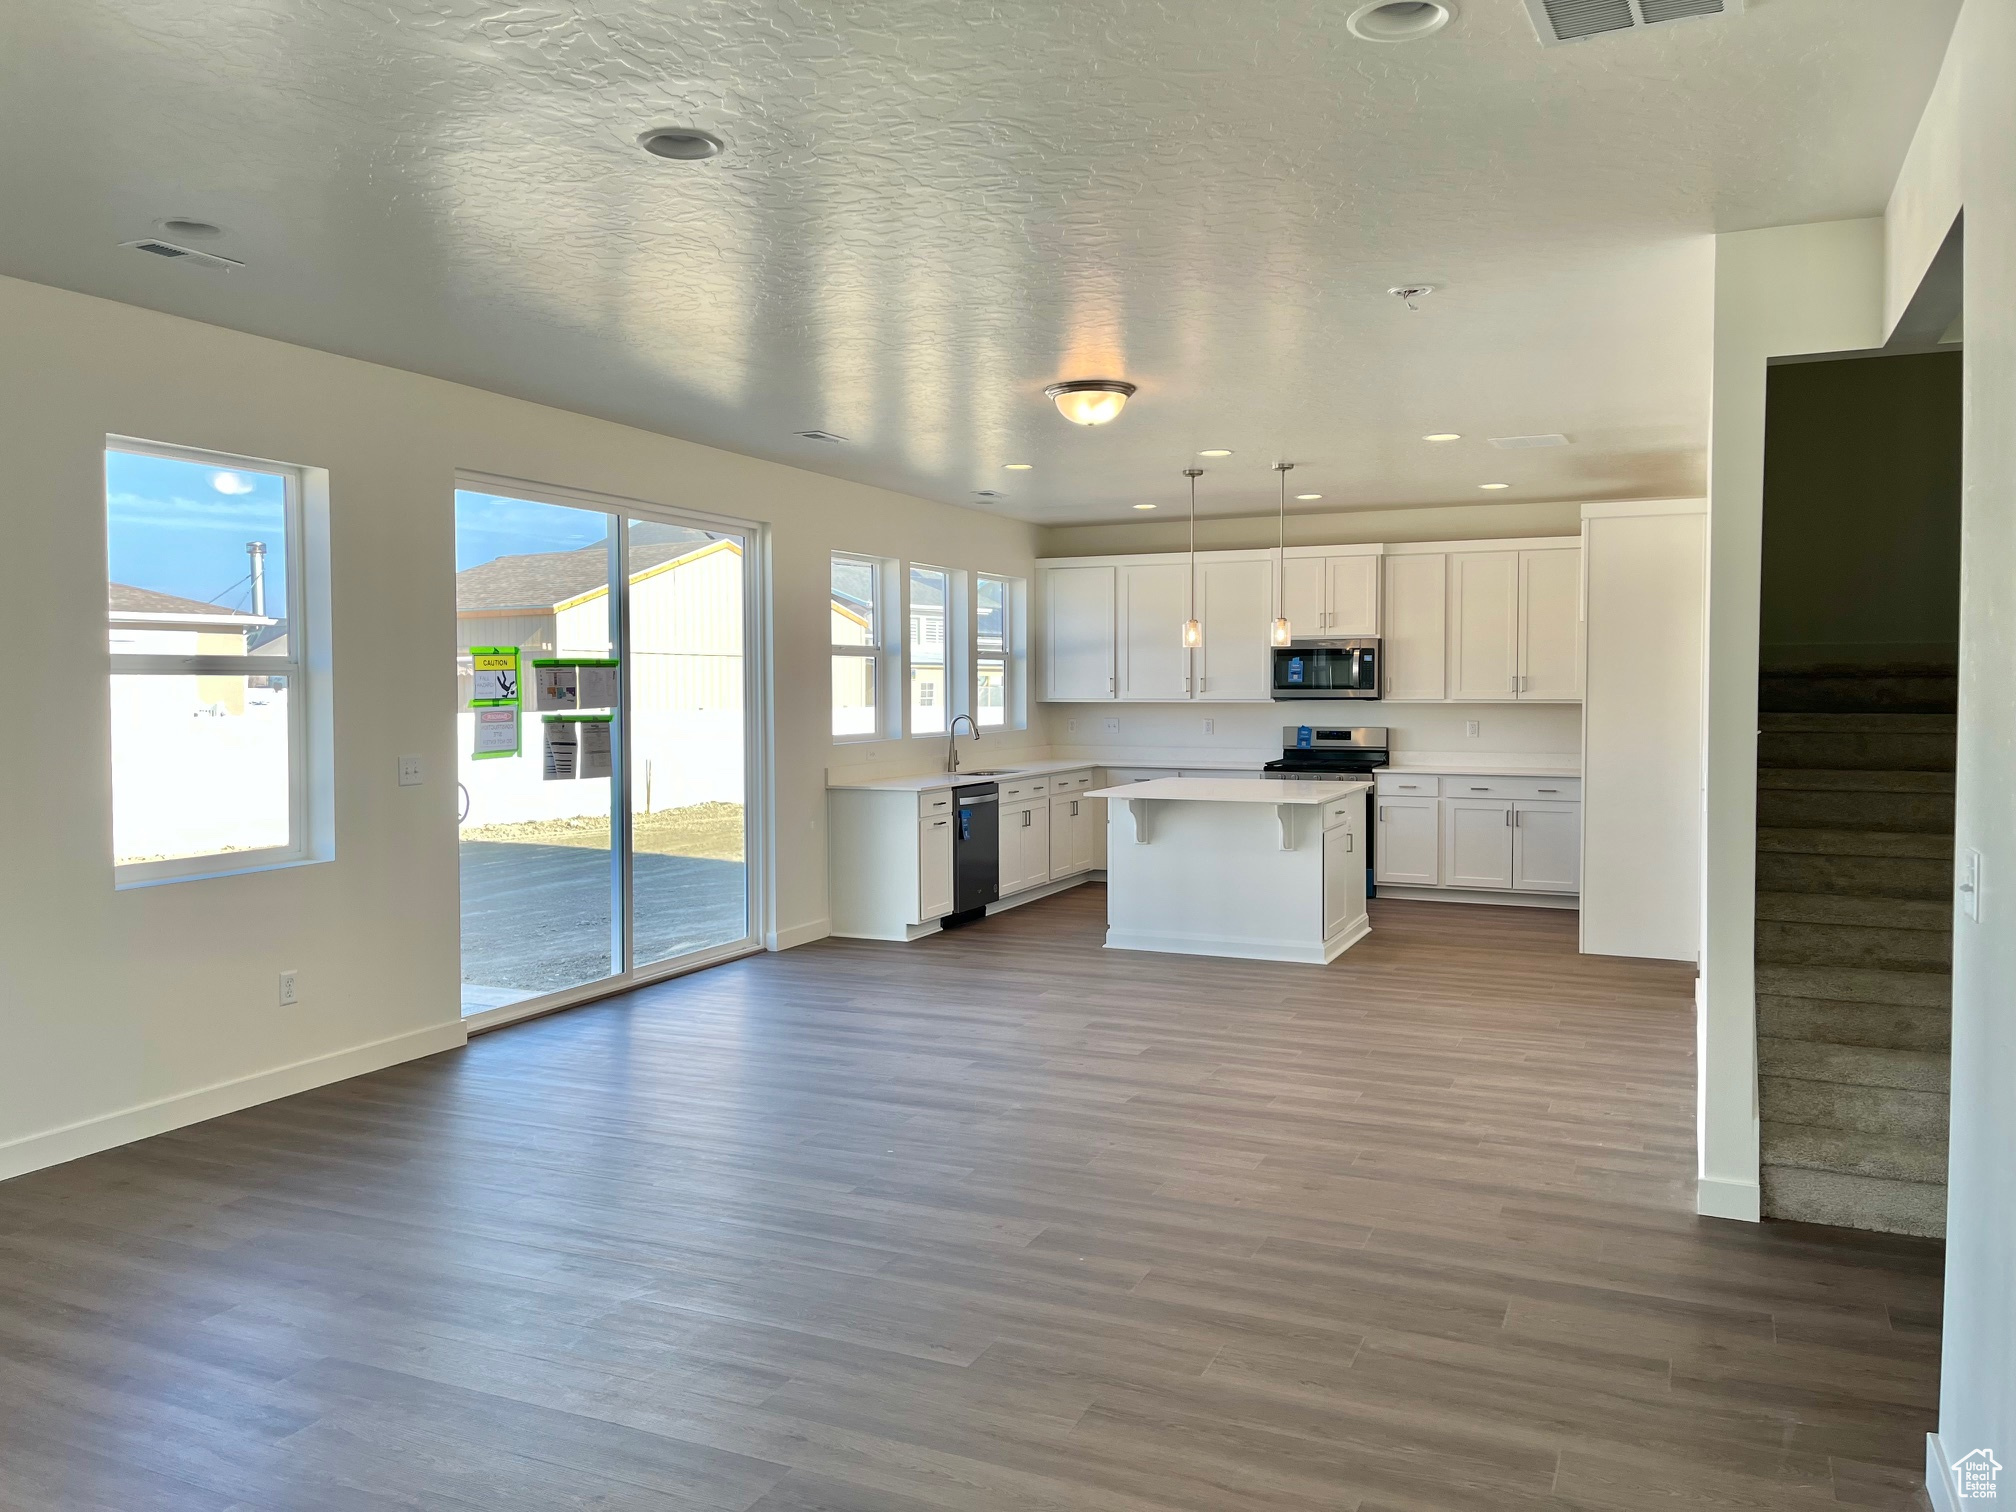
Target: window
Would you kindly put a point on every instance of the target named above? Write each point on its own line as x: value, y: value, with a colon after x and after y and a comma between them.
x: 857, y: 644
x: 929, y: 602
x: 203, y: 598
x: 991, y: 635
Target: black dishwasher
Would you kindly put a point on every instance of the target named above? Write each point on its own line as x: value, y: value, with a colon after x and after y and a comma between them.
x: 976, y: 853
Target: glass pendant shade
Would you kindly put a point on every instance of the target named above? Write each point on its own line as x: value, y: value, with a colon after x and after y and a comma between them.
x: 1193, y: 634
x: 1279, y: 633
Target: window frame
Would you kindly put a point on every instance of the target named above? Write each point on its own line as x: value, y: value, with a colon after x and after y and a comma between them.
x: 1014, y: 649
x: 874, y: 651
x: 294, y: 666
x: 951, y: 704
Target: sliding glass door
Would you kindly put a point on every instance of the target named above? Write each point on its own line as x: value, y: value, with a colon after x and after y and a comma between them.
x: 603, y: 725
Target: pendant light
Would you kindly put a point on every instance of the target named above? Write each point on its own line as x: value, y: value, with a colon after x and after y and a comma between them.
x: 1279, y: 633
x: 1193, y: 630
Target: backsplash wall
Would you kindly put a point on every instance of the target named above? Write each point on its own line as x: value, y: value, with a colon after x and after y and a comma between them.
x: 1154, y: 732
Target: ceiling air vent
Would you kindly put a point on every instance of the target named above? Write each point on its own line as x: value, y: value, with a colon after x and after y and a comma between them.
x: 819, y: 435
x: 1559, y: 21
x: 188, y: 255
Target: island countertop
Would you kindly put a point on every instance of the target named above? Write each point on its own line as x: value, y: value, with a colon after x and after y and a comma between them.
x: 1234, y: 790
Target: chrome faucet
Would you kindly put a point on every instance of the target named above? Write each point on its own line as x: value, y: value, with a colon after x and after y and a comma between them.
x: 952, y: 741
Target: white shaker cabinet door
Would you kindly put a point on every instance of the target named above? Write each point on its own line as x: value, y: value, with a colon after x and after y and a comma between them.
x: 1547, y: 847
x: 1154, y: 602
x: 1343, y: 878
x: 1550, y: 623
x: 1483, y: 625
x: 1078, y: 640
x: 1305, y: 596
x: 1409, y: 849
x: 1354, y: 595
x: 1476, y: 842
x: 1416, y: 633
x: 934, y: 868
x: 1235, y: 604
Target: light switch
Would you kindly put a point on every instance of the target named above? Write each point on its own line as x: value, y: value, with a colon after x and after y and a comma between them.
x: 409, y: 771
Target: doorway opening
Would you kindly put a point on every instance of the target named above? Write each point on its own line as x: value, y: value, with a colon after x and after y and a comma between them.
x: 604, y: 704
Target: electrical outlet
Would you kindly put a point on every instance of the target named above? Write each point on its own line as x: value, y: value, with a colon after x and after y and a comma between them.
x: 409, y: 771
x: 1473, y: 728
x: 1112, y: 727
x: 1210, y: 727
x: 1070, y: 727
x: 289, y: 993
x: 1970, y: 884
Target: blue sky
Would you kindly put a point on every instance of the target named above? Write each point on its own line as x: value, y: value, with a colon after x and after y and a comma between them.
x: 181, y: 527
x: 488, y: 526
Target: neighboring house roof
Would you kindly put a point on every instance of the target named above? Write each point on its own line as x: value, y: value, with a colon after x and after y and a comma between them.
x: 545, y: 581
x: 125, y: 599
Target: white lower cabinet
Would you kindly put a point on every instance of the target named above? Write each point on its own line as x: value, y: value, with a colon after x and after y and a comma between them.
x: 1025, y: 844
x: 1476, y: 843
x: 934, y: 869
x: 1479, y: 833
x: 1343, y: 876
x: 1071, y: 836
x: 1547, y: 846
x: 1409, y: 849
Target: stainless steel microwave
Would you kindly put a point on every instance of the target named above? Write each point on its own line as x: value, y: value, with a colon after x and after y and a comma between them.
x: 1347, y: 667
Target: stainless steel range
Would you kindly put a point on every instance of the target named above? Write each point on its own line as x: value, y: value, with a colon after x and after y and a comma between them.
x: 1314, y: 752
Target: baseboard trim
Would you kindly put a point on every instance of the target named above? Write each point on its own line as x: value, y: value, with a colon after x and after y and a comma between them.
x: 1491, y: 897
x: 1238, y: 947
x: 1716, y: 1197
x: 1041, y: 890
x: 35, y: 1152
x: 797, y: 934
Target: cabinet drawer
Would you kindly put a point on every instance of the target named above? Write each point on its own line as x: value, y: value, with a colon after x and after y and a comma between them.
x: 1070, y: 782
x: 1560, y: 789
x: 1407, y: 785
x: 1028, y: 787
x: 1342, y: 810
x: 936, y: 802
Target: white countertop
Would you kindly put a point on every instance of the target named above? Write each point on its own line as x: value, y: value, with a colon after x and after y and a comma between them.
x: 857, y: 779
x: 1233, y: 790
x: 1457, y: 767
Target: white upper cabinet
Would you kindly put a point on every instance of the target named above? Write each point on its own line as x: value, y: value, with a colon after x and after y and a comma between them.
x: 1416, y: 641
x: 1550, y: 624
x: 1154, y: 603
x: 1235, y: 604
x: 1327, y: 596
x: 1078, y: 621
x: 1483, y: 625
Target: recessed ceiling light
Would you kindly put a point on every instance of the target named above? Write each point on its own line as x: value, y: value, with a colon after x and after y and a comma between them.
x: 1217, y: 451
x: 1017, y: 466
x: 1398, y: 20
x: 682, y: 144
x: 1090, y: 401
x: 1443, y: 436
x: 1494, y: 485
x: 1144, y: 506
x: 1306, y: 497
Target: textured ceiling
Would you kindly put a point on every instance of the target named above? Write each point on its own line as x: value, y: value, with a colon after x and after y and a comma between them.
x: 931, y: 208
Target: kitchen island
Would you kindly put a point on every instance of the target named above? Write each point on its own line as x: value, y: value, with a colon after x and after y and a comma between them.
x: 1255, y: 868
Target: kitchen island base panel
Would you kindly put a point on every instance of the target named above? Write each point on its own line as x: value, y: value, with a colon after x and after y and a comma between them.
x: 1571, y: 901
x: 1245, y: 948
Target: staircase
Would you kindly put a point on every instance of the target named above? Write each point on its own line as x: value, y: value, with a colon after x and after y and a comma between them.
x: 1854, y: 946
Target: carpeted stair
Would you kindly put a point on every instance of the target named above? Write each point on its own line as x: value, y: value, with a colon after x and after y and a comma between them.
x: 1854, y: 948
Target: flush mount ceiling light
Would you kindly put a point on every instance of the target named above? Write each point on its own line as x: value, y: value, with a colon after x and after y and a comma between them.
x: 681, y: 144
x: 1217, y: 451
x: 1090, y: 401
x: 1398, y: 20
x: 1493, y: 487
x: 1443, y: 436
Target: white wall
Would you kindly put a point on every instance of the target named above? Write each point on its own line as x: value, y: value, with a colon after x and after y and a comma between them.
x: 122, y: 1013
x: 1645, y: 580
x: 1967, y: 147
x: 1778, y: 292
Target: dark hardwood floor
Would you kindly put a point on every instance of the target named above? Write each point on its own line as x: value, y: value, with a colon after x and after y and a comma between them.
x: 996, y: 1221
